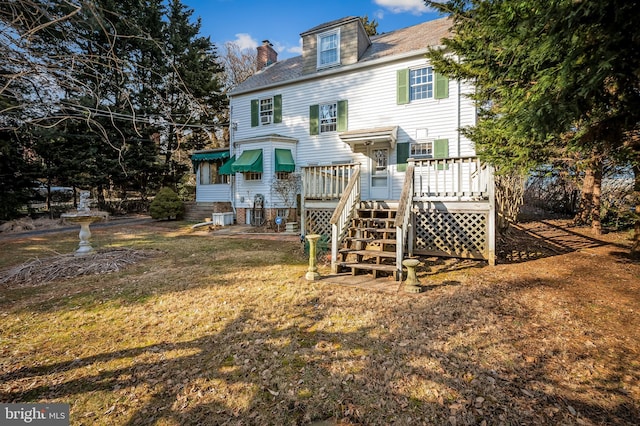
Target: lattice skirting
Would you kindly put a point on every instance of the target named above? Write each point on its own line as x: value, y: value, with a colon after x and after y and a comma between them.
x: 450, y: 233
x: 317, y: 221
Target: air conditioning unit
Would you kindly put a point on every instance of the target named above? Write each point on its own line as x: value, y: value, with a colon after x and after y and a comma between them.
x: 265, y: 119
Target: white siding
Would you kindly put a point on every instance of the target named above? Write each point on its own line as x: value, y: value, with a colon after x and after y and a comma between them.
x: 213, y: 193
x: 371, y: 96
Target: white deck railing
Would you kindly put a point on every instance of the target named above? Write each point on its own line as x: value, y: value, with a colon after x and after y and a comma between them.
x: 342, y: 215
x: 326, y: 182
x: 462, y: 178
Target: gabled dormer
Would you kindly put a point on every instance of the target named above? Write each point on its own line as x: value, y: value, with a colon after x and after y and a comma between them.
x: 333, y: 44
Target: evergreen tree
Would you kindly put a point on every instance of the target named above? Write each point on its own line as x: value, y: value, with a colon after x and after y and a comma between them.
x: 16, y: 175
x: 193, y: 70
x: 371, y: 27
x: 554, y: 78
x: 123, y: 85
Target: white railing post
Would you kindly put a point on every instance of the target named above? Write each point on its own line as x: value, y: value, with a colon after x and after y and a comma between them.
x: 403, y: 216
x: 491, y: 225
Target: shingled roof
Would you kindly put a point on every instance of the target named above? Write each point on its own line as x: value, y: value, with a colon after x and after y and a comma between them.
x: 403, y: 41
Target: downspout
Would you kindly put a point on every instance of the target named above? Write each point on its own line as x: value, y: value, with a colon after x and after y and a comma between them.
x: 459, y: 119
x: 459, y: 112
x: 232, y: 176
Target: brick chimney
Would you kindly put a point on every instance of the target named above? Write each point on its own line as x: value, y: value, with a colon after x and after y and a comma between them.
x: 266, y: 55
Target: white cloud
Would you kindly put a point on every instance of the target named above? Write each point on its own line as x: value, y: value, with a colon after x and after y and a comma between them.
x: 296, y: 49
x: 379, y: 14
x: 245, y: 41
x: 417, y: 7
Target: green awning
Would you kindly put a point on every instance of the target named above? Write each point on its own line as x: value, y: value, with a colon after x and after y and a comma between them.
x: 249, y: 161
x: 226, y: 167
x: 199, y: 157
x: 284, y: 160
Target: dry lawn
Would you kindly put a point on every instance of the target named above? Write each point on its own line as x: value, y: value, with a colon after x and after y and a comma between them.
x: 217, y: 330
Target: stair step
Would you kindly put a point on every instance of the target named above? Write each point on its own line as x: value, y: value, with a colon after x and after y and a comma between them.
x: 376, y: 219
x: 373, y: 212
x: 379, y: 205
x: 375, y: 229
x: 371, y: 253
x: 371, y: 240
x: 368, y: 266
x: 375, y: 268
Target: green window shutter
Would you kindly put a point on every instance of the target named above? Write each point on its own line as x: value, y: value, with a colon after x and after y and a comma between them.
x: 255, y: 119
x: 343, y: 116
x: 402, y: 83
x: 402, y: 155
x: 441, y: 86
x: 441, y: 150
x: 277, y: 109
x: 314, y: 119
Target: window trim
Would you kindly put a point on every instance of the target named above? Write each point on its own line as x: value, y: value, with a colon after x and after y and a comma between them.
x: 429, y: 85
x: 266, y: 112
x: 283, y: 175
x: 319, y: 38
x: 412, y: 144
x: 252, y: 176
x: 211, y: 170
x: 332, y: 124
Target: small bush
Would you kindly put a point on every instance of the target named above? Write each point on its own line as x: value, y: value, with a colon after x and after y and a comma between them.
x: 166, y: 205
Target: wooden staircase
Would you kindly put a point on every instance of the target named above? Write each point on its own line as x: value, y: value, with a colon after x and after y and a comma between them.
x: 370, y: 241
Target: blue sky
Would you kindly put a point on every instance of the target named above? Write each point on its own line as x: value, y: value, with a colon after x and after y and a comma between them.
x: 248, y: 22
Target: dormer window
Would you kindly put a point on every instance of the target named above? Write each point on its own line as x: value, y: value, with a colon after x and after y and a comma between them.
x: 329, y: 48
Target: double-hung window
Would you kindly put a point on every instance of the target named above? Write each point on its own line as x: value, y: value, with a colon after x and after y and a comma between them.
x: 266, y: 111
x: 329, y: 48
x: 414, y: 84
x: 328, y: 117
x: 420, y: 83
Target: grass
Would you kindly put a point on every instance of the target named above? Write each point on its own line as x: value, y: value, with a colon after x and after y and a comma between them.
x: 227, y: 331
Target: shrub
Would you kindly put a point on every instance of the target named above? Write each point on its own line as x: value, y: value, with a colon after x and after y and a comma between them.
x: 166, y: 205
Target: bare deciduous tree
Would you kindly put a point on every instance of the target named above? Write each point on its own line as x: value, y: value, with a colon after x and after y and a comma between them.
x: 239, y: 64
x: 57, y: 51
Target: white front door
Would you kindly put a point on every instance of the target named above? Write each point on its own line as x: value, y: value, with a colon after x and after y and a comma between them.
x: 379, y: 183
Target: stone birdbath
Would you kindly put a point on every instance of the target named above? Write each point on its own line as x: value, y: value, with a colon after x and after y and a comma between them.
x: 85, y: 217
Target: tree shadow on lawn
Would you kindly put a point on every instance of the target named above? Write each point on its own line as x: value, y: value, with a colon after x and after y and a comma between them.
x: 540, y: 239
x: 470, y: 352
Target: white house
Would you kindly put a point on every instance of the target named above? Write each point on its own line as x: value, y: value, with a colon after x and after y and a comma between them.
x: 368, y: 124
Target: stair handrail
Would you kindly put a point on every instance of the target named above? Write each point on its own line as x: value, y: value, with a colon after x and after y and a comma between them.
x: 403, y: 216
x: 343, y: 214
